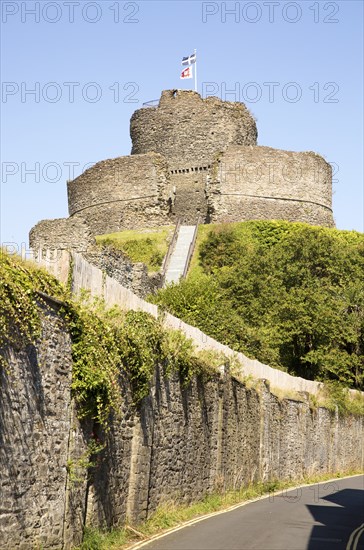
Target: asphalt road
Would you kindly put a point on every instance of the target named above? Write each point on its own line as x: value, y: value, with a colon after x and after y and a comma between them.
x: 325, y: 516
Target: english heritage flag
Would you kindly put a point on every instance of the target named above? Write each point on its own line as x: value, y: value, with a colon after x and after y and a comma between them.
x: 186, y: 73
x: 189, y: 60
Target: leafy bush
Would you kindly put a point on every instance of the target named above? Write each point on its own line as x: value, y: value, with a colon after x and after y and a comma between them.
x: 288, y: 294
x: 19, y: 319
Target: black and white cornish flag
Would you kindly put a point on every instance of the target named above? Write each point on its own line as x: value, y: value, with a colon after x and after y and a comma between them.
x: 189, y: 60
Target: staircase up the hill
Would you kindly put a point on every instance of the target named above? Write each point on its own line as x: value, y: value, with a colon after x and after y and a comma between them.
x: 181, y: 253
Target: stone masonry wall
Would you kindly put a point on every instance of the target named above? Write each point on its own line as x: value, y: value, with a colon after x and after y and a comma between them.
x: 119, y: 267
x: 189, y: 201
x: 186, y: 128
x: 61, y: 234
x: 180, y: 443
x: 37, y: 506
x: 111, y: 263
x: 249, y: 183
x: 121, y: 193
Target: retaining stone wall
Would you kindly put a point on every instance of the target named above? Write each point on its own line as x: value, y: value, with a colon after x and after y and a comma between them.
x: 117, y: 266
x: 37, y: 505
x: 180, y: 443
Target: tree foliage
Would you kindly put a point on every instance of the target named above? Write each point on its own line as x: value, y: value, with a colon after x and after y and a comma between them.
x: 288, y: 294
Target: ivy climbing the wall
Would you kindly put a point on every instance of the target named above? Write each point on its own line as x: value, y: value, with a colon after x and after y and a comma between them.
x: 106, y: 344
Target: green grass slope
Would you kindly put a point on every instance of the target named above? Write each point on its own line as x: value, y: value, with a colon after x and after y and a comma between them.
x: 148, y: 246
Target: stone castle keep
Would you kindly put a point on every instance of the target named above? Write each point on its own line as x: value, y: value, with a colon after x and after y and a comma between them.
x: 191, y: 157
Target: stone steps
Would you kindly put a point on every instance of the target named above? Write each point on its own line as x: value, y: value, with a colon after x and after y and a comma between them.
x: 179, y: 255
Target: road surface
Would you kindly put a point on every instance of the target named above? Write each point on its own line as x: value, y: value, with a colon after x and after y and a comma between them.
x: 325, y: 516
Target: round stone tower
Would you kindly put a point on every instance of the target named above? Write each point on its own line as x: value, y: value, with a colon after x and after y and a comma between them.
x: 189, y: 132
x: 188, y: 129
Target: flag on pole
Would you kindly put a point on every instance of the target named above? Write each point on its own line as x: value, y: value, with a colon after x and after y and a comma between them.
x: 189, y: 60
x: 186, y: 73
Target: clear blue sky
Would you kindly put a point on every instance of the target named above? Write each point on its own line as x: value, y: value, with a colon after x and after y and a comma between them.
x: 132, y: 51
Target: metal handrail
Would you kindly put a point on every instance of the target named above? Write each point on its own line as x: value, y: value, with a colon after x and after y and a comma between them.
x: 170, y: 248
x: 191, y: 249
x: 152, y: 103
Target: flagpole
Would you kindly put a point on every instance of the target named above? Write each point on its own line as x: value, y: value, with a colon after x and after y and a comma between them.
x: 195, y: 72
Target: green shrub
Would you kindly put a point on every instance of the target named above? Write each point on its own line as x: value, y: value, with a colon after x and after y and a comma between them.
x: 288, y: 294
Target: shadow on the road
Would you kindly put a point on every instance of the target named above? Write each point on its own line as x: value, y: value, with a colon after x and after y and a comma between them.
x: 338, y: 521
